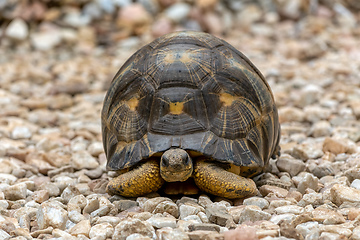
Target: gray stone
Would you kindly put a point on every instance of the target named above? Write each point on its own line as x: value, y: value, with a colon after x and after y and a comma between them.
x: 252, y: 213
x: 218, y: 214
x: 287, y: 163
x: 125, y: 204
x: 204, y: 227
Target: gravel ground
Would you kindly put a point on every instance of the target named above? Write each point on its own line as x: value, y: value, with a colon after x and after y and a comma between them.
x: 52, y: 163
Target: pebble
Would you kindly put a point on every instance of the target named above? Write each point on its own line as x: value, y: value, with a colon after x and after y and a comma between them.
x: 51, y: 214
x: 287, y: 163
x: 306, y: 151
x: 83, y: 160
x: 256, y: 201
x: 169, y: 234
x: 46, y: 40
x: 321, y: 129
x: 292, y: 209
x: 252, y: 214
x: 340, y: 194
x: 125, y: 204
x: 81, y: 228
x: 307, y: 228
x: 16, y: 192
x: 307, y: 180
x: 160, y: 221
x: 101, y: 231
x: 315, y: 199
x: 129, y: 226
x: 291, y: 114
x: 336, y: 146
x: 17, y: 29
x: 327, y: 216
x: 21, y: 132
x: 178, y: 12
x: 218, y: 214
x: 167, y: 206
x: 277, y: 191
x: 186, y: 210
x: 355, y: 184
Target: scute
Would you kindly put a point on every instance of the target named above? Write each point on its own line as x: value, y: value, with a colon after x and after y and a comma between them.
x: 193, y: 91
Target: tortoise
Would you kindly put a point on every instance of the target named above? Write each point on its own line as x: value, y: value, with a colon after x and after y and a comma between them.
x: 191, y: 111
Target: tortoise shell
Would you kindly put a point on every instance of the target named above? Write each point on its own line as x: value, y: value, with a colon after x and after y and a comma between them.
x: 193, y: 91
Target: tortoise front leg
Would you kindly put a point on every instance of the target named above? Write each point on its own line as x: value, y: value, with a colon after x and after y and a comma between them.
x: 212, y: 178
x: 139, y: 181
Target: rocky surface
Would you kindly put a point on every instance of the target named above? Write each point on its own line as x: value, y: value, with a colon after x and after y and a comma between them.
x: 56, y: 62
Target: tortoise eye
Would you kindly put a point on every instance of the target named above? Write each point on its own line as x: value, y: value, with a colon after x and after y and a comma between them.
x: 164, y: 162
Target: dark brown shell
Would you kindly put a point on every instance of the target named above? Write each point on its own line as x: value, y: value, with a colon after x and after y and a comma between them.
x: 193, y: 91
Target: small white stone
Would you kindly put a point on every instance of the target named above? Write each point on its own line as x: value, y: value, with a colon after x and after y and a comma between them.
x: 186, y: 210
x: 171, y: 234
x: 21, y: 132
x: 81, y: 228
x: 257, y: 201
x: 62, y: 234
x: 51, y: 214
x: 7, y: 178
x: 160, y: 222
x: 355, y: 184
x: 177, y: 12
x: 45, y: 41
x: 4, y: 204
x: 17, y: 29
x: 277, y: 218
x: 101, y: 231
x: 96, y: 148
x: 76, y: 216
x: 83, y: 160
x: 194, y: 218
x: 203, y: 217
x: 289, y: 209
x: 306, y: 228
x: 4, y: 235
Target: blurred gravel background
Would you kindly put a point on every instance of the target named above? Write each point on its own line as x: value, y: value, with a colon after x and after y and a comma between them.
x: 57, y: 59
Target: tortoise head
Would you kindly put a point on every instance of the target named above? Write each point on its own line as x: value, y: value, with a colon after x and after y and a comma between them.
x: 176, y: 165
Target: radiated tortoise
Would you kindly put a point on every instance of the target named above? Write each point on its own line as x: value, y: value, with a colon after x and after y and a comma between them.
x: 188, y: 111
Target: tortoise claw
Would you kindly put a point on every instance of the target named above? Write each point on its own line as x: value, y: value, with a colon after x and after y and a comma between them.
x: 140, y: 181
x: 214, y: 179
